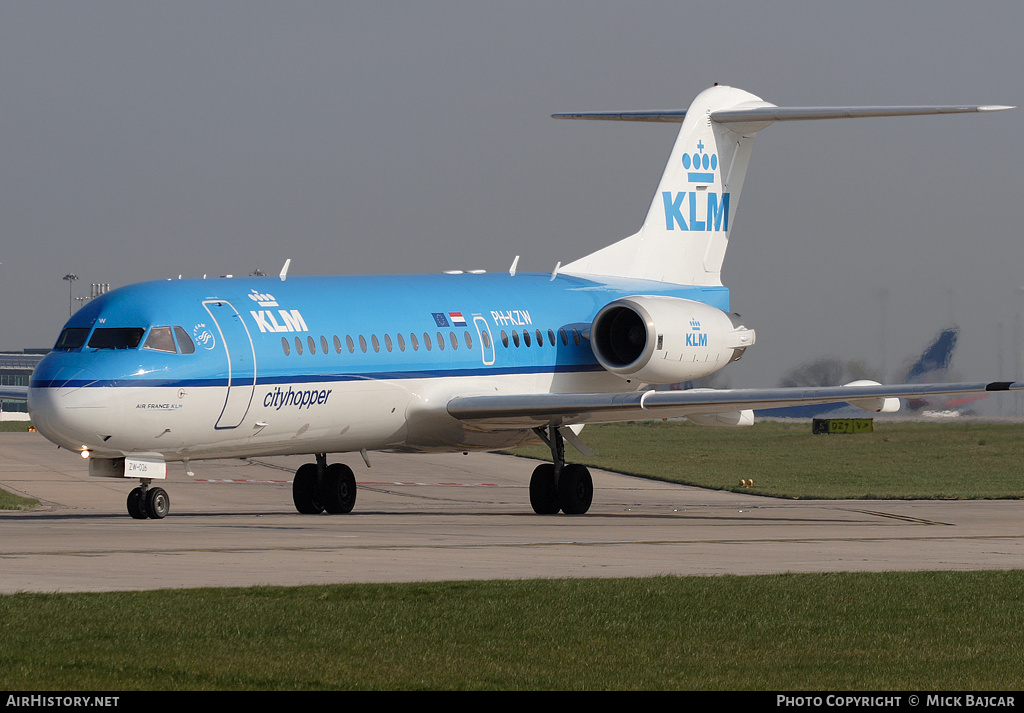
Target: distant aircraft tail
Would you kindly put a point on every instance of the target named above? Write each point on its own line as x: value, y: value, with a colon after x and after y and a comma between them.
x: 685, y: 235
x: 933, y: 364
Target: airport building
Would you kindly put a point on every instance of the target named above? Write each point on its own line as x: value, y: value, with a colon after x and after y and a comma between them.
x: 16, y: 370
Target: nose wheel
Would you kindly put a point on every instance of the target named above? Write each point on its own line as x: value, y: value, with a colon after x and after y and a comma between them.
x: 145, y: 502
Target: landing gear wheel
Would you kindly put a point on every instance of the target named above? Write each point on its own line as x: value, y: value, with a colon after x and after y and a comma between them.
x: 338, y: 491
x: 575, y: 490
x: 542, y: 490
x: 158, y: 503
x: 305, y: 490
x: 137, y: 505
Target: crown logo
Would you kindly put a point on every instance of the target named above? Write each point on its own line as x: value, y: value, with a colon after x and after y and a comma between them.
x: 263, y: 300
x: 694, y: 324
x: 700, y: 162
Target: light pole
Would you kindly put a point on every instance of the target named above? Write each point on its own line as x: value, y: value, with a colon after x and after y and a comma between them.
x: 70, y: 277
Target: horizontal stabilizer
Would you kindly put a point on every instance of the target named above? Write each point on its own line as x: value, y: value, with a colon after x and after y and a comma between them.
x: 783, y: 113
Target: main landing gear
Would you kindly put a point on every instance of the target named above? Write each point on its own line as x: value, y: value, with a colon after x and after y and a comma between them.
x: 146, y: 502
x: 319, y: 487
x: 559, y: 486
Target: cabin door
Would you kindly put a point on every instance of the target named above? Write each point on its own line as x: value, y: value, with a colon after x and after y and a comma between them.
x: 241, y: 362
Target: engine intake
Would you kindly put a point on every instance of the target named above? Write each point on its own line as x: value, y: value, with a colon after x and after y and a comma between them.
x: 663, y: 340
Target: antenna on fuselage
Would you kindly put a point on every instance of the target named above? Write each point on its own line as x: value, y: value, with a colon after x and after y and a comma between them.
x: 284, y: 270
x: 512, y: 270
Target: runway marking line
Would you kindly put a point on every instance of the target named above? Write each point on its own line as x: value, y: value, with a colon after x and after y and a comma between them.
x: 904, y: 518
x: 361, y: 482
x: 482, y: 545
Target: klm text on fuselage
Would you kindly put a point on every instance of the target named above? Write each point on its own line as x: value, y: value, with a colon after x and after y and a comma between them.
x: 716, y: 214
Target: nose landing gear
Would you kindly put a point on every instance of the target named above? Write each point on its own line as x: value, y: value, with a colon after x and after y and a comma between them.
x: 145, y: 502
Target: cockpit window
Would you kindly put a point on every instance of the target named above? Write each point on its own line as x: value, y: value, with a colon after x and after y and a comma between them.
x: 116, y: 338
x: 160, y: 340
x: 71, y: 338
x: 185, y: 343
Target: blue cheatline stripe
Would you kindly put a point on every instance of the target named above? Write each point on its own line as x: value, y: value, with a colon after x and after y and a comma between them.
x: 308, y: 378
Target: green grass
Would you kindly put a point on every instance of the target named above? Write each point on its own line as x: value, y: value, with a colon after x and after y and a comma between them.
x: 14, y: 426
x: 10, y: 501
x: 898, y: 460
x: 899, y: 631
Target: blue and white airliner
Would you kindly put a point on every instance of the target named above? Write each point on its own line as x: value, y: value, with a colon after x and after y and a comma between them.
x: 183, y: 370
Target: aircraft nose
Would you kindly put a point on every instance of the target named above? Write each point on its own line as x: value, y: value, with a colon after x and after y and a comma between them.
x: 70, y: 414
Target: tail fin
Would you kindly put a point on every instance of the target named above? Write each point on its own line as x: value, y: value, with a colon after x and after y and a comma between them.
x: 685, y: 235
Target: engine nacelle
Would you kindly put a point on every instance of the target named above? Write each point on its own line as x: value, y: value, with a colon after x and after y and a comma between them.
x: 663, y: 340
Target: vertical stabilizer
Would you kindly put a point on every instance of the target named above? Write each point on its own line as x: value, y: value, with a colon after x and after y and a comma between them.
x: 685, y: 235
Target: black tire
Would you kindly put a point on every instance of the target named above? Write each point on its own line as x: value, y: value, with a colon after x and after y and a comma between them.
x: 158, y: 503
x: 305, y: 490
x: 542, y: 490
x: 338, y: 491
x: 575, y: 490
x: 136, y: 506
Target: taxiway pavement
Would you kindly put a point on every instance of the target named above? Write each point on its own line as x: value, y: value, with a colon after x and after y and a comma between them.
x: 454, y: 517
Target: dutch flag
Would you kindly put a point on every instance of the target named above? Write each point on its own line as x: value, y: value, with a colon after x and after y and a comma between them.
x: 457, y: 319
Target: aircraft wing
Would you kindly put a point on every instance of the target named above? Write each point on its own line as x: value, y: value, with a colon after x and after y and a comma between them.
x: 14, y: 393
x: 530, y: 410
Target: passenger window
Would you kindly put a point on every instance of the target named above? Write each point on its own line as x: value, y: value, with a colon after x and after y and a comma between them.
x: 440, y: 341
x: 323, y: 344
x: 284, y: 345
x: 575, y: 337
x: 298, y: 345
x: 526, y: 337
x: 337, y: 344
x: 564, y: 337
x: 376, y: 344
x: 160, y: 340
x: 387, y: 342
x: 453, y: 339
x: 486, y: 338
x: 312, y: 345
x: 362, y: 343
x: 551, y: 338
x: 401, y: 341
x: 415, y: 344
x: 515, y: 337
x: 185, y: 343
x: 540, y: 339
x: 116, y: 338
x: 468, y: 339
x: 504, y: 338
x: 350, y: 344
x: 426, y: 341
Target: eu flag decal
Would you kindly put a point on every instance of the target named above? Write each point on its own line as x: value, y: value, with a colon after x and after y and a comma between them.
x: 440, y: 318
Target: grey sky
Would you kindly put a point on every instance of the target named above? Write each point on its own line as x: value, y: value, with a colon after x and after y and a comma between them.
x: 147, y: 140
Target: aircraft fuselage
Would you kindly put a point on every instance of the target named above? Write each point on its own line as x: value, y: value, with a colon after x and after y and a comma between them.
x: 191, y: 369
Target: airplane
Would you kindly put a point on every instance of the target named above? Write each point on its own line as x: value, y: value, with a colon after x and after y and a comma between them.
x: 932, y: 364
x: 189, y: 369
